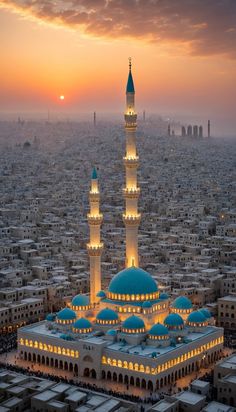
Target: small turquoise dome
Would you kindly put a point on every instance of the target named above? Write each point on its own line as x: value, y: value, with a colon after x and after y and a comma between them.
x: 182, y: 303
x: 107, y: 314
x: 164, y: 296
x: 82, y: 323
x: 147, y: 304
x: 133, y: 322
x: 66, y: 314
x: 66, y: 337
x: 133, y: 281
x: 196, y: 317
x: 158, y: 330
x: 206, y: 313
x: 51, y: 317
x: 80, y: 300
x: 173, y: 320
x: 101, y: 294
x: 111, y: 332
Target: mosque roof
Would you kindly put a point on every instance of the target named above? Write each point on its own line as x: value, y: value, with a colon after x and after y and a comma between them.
x: 146, y: 304
x: 164, y: 296
x: 94, y: 173
x: 107, y: 314
x: 133, y: 281
x: 80, y: 300
x: 111, y: 332
x: 50, y: 317
x: 158, y: 330
x: 173, y: 320
x: 130, y: 83
x: 206, y: 313
x: 133, y: 322
x: 66, y: 337
x: 182, y: 302
x: 66, y: 314
x: 101, y: 294
x: 82, y: 323
x: 196, y: 317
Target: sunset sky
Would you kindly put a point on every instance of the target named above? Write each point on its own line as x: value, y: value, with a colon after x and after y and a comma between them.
x: 183, y: 51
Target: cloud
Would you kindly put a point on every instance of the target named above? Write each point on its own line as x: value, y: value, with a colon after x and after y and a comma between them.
x: 204, y: 27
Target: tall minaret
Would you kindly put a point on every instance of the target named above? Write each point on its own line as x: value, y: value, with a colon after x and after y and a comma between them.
x: 131, y: 216
x: 95, y: 246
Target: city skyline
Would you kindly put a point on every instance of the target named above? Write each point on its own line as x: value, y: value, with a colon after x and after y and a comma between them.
x: 184, y: 57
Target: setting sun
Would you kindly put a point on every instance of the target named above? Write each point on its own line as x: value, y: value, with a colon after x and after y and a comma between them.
x: 62, y: 97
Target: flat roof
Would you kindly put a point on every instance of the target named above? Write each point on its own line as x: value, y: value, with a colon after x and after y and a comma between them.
x: 60, y: 387
x: 162, y: 406
x: 200, y: 384
x: 76, y: 396
x: 229, y: 378
x: 108, y: 406
x: 45, y: 396
x: 217, y: 407
x: 190, y: 397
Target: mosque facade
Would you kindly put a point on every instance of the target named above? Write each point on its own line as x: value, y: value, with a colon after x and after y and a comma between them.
x: 130, y: 333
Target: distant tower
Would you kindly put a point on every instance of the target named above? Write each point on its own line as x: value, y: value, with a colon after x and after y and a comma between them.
x: 183, y: 131
x: 195, y: 131
x: 144, y: 116
x: 95, y: 246
x: 190, y: 131
x: 209, y: 128
x: 94, y: 119
x: 131, y: 217
x: 200, y: 131
x: 168, y: 130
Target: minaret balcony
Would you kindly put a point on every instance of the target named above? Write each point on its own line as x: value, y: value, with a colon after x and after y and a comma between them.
x: 95, y: 219
x: 131, y: 193
x: 95, y: 250
x: 132, y: 220
x: 94, y: 196
x: 131, y: 162
x: 131, y: 119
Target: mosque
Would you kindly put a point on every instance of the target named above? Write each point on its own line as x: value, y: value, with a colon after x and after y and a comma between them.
x: 130, y: 333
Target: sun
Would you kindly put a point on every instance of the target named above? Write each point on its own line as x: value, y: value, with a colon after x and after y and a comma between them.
x: 62, y: 97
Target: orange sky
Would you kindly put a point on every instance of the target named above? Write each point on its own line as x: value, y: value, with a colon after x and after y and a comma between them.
x: 43, y: 57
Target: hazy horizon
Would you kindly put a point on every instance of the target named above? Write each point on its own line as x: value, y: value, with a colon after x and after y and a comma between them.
x: 184, y: 59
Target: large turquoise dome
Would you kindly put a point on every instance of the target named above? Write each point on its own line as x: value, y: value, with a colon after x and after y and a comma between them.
x: 107, y: 315
x: 173, y: 321
x: 182, y: 303
x: 131, y: 282
x: 133, y: 324
x: 82, y: 323
x: 80, y: 300
x: 158, y: 330
x: 206, y: 313
x: 196, y: 317
x: 66, y: 314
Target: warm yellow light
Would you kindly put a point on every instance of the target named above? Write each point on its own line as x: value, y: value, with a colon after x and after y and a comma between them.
x: 62, y: 97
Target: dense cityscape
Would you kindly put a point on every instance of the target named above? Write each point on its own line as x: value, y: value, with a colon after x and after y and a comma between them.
x: 186, y: 241
x: 118, y: 206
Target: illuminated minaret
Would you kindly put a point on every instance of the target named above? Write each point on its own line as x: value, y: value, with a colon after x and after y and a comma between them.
x: 131, y: 216
x: 95, y: 246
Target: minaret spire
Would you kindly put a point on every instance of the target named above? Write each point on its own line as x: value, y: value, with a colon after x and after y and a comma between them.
x: 131, y: 216
x: 95, y: 246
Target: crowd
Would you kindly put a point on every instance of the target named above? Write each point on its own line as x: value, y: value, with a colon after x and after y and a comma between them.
x: 8, y: 342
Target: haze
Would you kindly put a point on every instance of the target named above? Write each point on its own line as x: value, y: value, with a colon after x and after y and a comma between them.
x: 184, y: 57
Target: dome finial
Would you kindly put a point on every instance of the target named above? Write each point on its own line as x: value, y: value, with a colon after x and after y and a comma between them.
x: 133, y: 262
x: 130, y: 63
